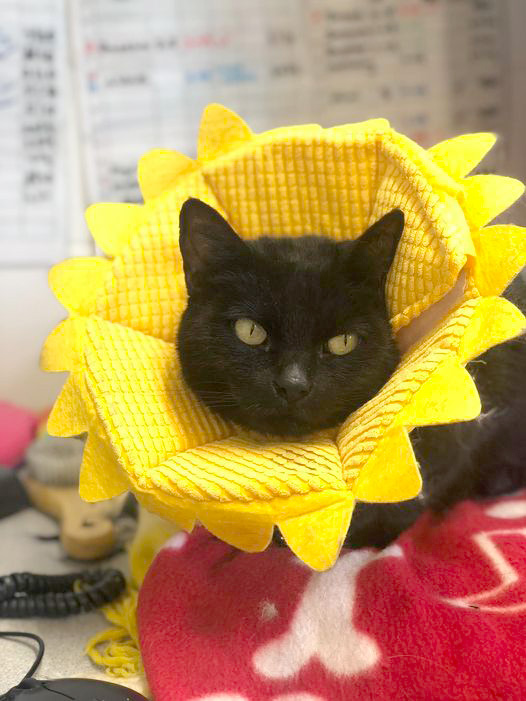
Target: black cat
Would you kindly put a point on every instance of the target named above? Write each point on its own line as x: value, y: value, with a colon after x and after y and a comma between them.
x: 289, y: 336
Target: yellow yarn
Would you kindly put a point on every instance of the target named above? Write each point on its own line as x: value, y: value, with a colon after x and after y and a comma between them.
x: 117, y: 649
x: 149, y: 434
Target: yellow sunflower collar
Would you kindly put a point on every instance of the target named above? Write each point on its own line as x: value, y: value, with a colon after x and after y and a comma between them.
x: 147, y: 432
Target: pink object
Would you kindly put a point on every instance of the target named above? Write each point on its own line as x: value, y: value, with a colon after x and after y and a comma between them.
x: 440, y: 614
x: 17, y: 430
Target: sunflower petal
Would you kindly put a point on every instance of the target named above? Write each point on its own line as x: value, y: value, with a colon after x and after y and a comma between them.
x: 317, y: 537
x: 391, y: 473
x: 76, y: 281
x: 251, y: 536
x: 221, y: 130
x: 183, y: 518
x: 68, y: 418
x: 62, y: 349
x: 449, y: 394
x: 501, y: 255
x: 458, y: 156
x: 486, y: 196
x: 496, y: 320
x: 100, y: 475
x: 158, y: 170
x: 113, y: 224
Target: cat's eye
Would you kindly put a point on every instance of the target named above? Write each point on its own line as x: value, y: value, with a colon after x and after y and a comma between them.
x: 250, y: 332
x: 343, y: 344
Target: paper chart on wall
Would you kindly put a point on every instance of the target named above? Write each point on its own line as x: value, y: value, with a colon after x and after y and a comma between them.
x: 33, y: 217
x: 146, y: 76
x: 143, y: 72
x: 384, y: 58
x: 432, y: 67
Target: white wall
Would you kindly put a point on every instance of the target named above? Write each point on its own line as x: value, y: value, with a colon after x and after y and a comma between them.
x: 28, y: 312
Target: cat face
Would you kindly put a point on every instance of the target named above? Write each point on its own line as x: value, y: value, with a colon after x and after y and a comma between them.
x: 285, y: 335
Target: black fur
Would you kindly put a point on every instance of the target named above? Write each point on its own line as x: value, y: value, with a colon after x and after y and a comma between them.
x: 304, y: 291
x: 468, y: 460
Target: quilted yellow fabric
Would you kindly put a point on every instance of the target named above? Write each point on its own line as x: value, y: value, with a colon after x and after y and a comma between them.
x: 148, y: 433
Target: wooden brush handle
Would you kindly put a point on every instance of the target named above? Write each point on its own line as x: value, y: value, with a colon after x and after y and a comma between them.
x: 86, y: 531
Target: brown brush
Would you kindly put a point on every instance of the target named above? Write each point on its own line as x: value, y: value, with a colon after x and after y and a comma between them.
x: 87, y: 531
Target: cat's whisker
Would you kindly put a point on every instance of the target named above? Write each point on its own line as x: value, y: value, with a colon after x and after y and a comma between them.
x: 222, y: 403
x: 254, y: 407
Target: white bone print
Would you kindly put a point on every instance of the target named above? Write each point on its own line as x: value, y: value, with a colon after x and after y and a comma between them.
x: 322, y: 626
x: 505, y: 570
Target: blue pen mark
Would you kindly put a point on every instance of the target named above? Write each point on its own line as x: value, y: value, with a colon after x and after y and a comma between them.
x: 204, y: 75
x: 236, y: 73
x: 227, y: 73
x: 7, y: 94
x: 7, y: 46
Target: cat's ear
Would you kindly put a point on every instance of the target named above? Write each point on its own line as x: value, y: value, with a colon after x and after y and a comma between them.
x: 375, y: 250
x: 206, y: 241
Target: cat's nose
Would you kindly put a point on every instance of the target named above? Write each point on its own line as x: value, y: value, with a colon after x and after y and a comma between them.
x: 292, y: 383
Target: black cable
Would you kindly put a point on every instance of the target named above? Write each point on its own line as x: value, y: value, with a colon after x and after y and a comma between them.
x: 25, y: 595
x: 32, y: 636
x: 38, y: 658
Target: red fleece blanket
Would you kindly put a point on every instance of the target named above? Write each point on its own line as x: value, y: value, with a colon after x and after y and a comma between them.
x: 440, y: 614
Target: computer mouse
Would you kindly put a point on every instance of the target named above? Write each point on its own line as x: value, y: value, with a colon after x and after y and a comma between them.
x: 74, y: 689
